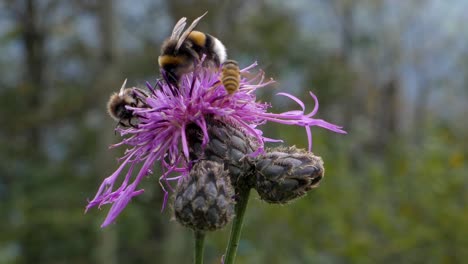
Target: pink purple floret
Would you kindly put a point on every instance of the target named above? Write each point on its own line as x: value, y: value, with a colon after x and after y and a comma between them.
x: 160, y: 134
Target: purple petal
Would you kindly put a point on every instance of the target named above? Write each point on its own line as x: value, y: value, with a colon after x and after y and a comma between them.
x: 161, y: 136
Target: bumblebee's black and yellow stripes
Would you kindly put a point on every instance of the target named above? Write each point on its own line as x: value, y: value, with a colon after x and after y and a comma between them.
x: 182, y: 51
x: 230, y: 76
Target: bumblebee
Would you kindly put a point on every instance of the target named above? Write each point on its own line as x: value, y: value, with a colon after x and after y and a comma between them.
x: 116, y: 106
x: 230, y: 76
x: 182, y: 51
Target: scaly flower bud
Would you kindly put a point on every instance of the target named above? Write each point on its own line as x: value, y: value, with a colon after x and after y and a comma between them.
x: 203, y: 200
x: 284, y: 174
x: 228, y: 145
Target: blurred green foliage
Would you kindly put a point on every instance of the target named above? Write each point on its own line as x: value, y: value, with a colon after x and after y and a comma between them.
x: 395, y: 189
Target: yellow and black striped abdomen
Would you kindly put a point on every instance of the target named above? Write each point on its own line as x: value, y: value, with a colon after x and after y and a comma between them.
x: 230, y: 76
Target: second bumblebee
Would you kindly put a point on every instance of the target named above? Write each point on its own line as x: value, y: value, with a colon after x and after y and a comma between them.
x: 118, y: 102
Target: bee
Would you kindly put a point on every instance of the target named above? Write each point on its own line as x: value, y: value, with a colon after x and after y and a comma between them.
x: 230, y: 76
x: 182, y: 51
x: 116, y: 106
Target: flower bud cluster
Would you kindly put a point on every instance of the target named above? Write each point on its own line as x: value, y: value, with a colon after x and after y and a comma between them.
x: 205, y: 200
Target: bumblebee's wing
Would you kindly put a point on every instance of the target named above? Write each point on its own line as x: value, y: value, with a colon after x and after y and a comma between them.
x: 122, y: 88
x: 187, y: 32
x: 179, y: 26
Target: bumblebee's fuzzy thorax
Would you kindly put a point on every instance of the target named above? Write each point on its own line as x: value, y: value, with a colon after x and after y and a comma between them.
x: 176, y: 62
x: 169, y: 49
x: 198, y: 38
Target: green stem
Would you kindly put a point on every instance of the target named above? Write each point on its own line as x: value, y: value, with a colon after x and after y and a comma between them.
x: 199, y: 246
x: 236, y: 228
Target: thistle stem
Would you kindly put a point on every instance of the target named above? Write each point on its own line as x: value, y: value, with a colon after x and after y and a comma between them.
x: 199, y: 246
x: 236, y: 228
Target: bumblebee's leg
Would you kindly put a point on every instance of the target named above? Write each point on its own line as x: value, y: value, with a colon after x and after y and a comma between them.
x: 122, y: 124
x: 143, y: 103
x: 131, y: 124
x: 115, y: 129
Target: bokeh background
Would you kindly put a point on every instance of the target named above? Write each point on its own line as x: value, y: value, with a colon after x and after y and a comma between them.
x: 393, y: 73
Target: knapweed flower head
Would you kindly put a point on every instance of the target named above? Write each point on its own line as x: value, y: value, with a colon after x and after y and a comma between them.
x: 161, y: 133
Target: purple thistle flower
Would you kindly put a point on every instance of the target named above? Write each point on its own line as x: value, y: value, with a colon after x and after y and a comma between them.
x: 161, y: 132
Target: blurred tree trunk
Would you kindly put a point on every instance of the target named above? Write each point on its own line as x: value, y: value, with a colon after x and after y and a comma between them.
x: 345, y: 14
x: 32, y: 37
x: 107, y: 82
x: 387, y: 61
x: 344, y: 11
x: 388, y: 114
x: 420, y: 112
x: 33, y: 40
x: 106, y: 249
